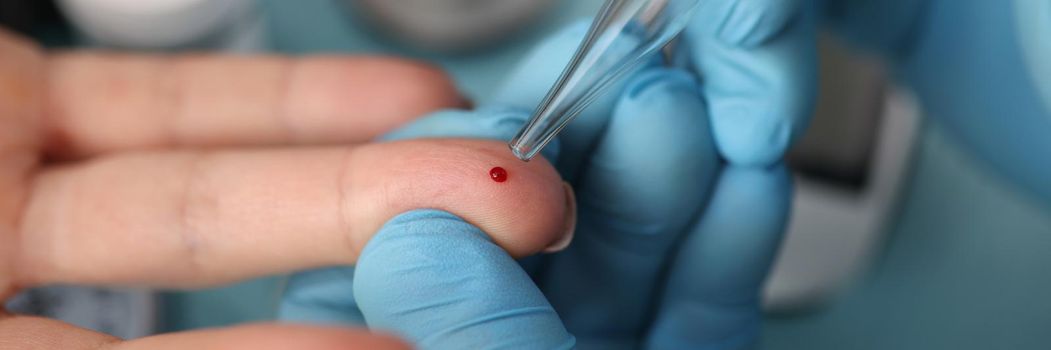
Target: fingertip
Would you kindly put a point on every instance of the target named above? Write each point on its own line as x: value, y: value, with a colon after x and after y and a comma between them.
x: 532, y: 211
x: 768, y: 184
x: 747, y: 140
x: 525, y: 213
x: 764, y: 192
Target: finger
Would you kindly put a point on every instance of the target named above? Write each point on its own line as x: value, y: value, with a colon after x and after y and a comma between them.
x: 19, y: 332
x: 100, y: 102
x: 760, y: 92
x: 322, y: 296
x: 711, y: 299
x: 527, y: 85
x: 441, y: 283
x: 647, y: 179
x: 488, y: 122
x: 325, y: 295
x: 20, y: 86
x: 192, y: 218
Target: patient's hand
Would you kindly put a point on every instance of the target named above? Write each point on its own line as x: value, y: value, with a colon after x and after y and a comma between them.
x: 192, y: 171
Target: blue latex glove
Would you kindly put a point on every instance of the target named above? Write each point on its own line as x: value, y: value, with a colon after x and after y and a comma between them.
x: 648, y: 175
x: 981, y: 68
x: 673, y: 241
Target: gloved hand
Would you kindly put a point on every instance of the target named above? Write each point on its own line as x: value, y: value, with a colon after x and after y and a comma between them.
x: 708, y: 296
x: 981, y: 68
x: 681, y: 192
x: 672, y: 244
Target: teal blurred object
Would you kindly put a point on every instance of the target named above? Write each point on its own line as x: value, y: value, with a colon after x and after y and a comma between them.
x: 250, y: 301
x: 965, y: 267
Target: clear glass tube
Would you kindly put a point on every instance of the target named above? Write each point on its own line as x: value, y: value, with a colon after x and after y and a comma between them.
x: 624, y: 34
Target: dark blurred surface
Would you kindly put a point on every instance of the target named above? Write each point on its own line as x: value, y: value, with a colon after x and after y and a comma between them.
x: 837, y: 148
x: 24, y: 16
x: 39, y: 19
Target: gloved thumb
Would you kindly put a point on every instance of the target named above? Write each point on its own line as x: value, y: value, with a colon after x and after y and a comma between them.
x: 440, y: 282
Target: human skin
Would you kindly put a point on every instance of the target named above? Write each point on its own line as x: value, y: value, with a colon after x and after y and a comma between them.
x: 191, y: 214
x: 190, y: 171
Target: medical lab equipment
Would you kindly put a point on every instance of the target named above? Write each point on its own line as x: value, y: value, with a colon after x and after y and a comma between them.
x: 623, y: 34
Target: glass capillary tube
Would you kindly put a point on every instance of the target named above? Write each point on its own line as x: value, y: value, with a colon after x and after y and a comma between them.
x: 624, y: 34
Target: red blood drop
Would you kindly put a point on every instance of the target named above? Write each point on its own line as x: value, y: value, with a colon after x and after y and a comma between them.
x: 498, y: 174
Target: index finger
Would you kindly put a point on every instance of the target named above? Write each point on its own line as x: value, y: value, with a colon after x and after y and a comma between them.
x: 182, y: 219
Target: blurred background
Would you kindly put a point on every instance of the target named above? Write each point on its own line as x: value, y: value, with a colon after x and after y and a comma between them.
x: 898, y: 238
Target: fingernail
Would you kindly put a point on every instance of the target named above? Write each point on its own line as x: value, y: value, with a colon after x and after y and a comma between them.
x: 571, y: 222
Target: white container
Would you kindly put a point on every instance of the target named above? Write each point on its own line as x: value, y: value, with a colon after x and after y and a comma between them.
x: 169, y: 24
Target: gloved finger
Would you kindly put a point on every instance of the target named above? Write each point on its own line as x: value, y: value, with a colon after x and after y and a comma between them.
x: 321, y: 296
x: 530, y: 81
x: 441, y: 283
x: 647, y: 179
x: 760, y: 92
x: 711, y: 299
